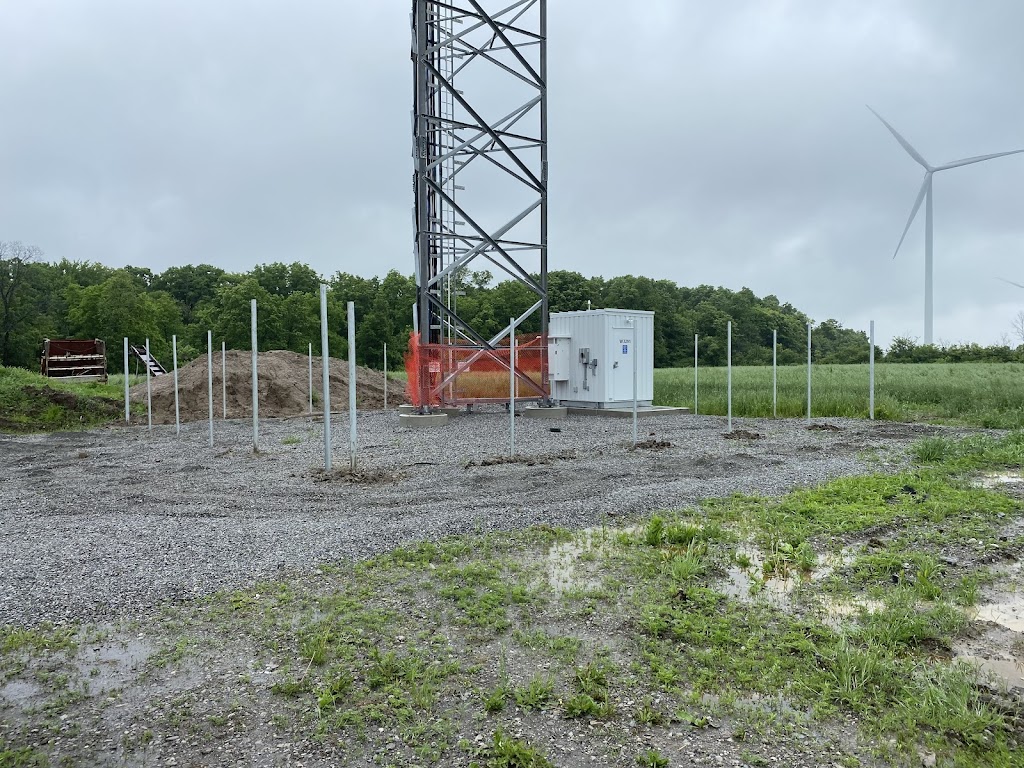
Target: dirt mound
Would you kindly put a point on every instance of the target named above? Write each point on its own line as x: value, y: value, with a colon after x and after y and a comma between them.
x: 653, y: 445
x: 742, y: 434
x: 283, y: 387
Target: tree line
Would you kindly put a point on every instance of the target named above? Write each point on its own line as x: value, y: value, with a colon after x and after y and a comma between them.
x: 80, y: 299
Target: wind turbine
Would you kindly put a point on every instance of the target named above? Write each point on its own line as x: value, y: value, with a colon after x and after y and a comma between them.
x: 926, y: 192
x: 1010, y: 282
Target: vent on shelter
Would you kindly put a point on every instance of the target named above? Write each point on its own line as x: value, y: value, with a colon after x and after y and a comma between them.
x: 79, y: 359
x: 154, y: 366
x: 465, y: 373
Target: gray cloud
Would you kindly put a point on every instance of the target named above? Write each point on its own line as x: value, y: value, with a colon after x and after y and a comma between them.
x: 722, y: 143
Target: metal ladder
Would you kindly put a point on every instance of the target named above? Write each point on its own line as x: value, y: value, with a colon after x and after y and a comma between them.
x: 155, y: 369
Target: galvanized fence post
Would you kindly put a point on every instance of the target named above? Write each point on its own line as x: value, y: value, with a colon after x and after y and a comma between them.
x: 808, y: 373
x: 127, y: 405
x: 224, y: 380
x: 511, y: 387
x: 209, y: 378
x: 177, y: 413
x: 871, y: 374
x: 352, y: 435
x: 728, y: 372
x: 149, y: 389
x: 325, y: 359
x: 775, y: 374
x: 255, y: 381
x: 632, y: 353
x: 696, y: 342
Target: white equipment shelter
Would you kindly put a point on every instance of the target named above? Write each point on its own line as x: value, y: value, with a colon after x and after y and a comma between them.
x: 590, y: 358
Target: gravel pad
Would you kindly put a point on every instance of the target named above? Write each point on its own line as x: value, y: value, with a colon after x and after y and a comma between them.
x: 113, y: 523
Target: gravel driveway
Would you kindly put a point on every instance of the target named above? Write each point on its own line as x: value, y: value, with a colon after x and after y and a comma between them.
x: 113, y: 523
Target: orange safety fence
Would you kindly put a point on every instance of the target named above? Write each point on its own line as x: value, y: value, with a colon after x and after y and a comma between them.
x: 459, y: 374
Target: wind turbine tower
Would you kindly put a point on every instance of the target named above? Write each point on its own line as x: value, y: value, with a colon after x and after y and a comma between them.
x: 926, y: 195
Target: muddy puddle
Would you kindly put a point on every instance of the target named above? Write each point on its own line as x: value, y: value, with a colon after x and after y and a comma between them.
x: 746, y: 577
x: 566, y: 563
x: 997, y: 654
x: 111, y: 665
x: 999, y: 479
x: 1005, y: 671
x: 20, y: 693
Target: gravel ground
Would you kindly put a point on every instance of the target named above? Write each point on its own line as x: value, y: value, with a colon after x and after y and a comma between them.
x: 108, y: 524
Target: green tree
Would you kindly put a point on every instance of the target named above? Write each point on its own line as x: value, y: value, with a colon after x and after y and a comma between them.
x: 16, y: 308
x: 285, y: 279
x: 120, y: 307
x: 387, y: 322
x: 228, y: 315
x: 189, y: 286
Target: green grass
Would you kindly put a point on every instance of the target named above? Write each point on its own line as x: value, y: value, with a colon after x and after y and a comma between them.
x: 33, y: 403
x: 506, y: 752
x: 980, y: 394
x: 41, y: 639
x: 24, y: 757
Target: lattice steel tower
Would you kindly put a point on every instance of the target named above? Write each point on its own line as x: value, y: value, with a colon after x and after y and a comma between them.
x: 480, y: 149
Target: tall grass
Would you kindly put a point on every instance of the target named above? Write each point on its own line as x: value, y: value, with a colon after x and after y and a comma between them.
x: 978, y: 394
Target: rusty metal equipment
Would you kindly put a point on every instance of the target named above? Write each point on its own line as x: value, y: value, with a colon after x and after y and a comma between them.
x: 78, y: 359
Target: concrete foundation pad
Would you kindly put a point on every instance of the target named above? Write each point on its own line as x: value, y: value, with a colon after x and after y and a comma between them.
x: 407, y: 408
x: 553, y: 414
x: 448, y: 411
x: 627, y: 413
x: 416, y: 420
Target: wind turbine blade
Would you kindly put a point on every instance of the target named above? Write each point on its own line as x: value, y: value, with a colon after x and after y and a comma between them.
x: 903, y: 142
x: 1010, y: 282
x: 913, y: 213
x: 978, y: 159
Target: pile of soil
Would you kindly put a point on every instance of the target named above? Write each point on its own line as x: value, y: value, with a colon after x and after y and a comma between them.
x: 742, y: 434
x: 654, y: 445
x: 283, y: 387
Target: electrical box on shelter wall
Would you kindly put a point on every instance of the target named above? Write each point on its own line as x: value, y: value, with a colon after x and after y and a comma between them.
x: 591, y: 357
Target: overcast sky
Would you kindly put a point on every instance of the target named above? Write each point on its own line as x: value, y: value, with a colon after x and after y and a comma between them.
x: 702, y: 142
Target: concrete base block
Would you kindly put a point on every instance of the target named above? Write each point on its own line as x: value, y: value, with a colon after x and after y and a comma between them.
x: 412, y: 409
x: 627, y: 413
x: 553, y: 414
x: 416, y: 420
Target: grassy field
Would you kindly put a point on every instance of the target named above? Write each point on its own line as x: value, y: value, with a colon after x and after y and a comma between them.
x: 33, y: 403
x: 978, y: 394
x: 975, y: 394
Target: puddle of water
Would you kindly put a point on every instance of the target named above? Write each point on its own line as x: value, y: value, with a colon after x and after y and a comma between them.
x: 19, y: 692
x: 1007, y: 613
x: 562, y: 560
x: 1010, y: 671
x: 1006, y: 607
x: 110, y: 665
x: 743, y: 583
x: 835, y: 612
x: 996, y: 479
